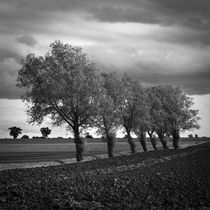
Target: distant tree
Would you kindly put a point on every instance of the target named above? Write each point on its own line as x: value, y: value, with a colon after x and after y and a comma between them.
x: 15, y: 131
x: 88, y: 136
x: 25, y: 137
x: 64, y: 84
x: 45, y: 132
x: 37, y: 137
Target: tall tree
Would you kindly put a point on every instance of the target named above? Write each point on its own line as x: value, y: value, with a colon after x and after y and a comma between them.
x: 64, y: 85
x: 158, y: 116
x: 107, y: 120
x: 142, y: 119
x: 153, y: 105
x: 15, y: 131
x: 179, y: 113
x: 141, y: 127
x: 171, y: 113
x: 45, y: 132
x: 129, y: 94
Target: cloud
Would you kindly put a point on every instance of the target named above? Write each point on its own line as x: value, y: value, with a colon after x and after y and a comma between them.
x: 189, y: 82
x: 155, y: 41
x: 8, y: 75
x: 191, y: 13
x: 10, y: 57
x: 32, y: 15
x: 27, y: 39
x: 159, y: 63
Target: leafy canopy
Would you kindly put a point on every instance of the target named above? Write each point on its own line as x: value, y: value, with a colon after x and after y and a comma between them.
x: 15, y: 131
x: 171, y: 109
x: 107, y: 119
x: 45, y: 132
x: 63, y: 84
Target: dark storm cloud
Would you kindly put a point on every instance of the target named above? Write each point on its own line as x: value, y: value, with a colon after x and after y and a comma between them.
x: 10, y: 91
x: 112, y: 14
x: 9, y: 65
x: 9, y: 53
x: 33, y: 16
x: 27, y: 39
x: 192, y: 83
x: 192, y: 13
x: 189, y: 82
x: 184, y: 23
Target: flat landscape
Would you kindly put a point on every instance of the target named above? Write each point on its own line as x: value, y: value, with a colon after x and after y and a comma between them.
x: 165, y: 179
x: 17, y: 151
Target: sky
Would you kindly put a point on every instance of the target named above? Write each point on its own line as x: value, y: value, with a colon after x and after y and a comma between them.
x: 154, y: 41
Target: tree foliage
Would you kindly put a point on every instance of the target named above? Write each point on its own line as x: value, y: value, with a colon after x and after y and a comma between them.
x: 171, y: 112
x: 67, y: 87
x: 64, y: 85
x: 142, y: 123
x: 108, y: 119
x: 45, y: 131
x: 131, y: 94
x: 15, y: 131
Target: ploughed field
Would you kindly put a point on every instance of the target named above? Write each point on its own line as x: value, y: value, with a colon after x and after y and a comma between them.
x: 170, y: 179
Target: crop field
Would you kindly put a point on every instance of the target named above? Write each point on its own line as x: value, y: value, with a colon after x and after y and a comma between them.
x: 165, y: 179
x: 32, y: 150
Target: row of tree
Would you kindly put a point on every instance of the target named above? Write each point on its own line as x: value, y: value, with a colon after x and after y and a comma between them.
x: 66, y: 86
x: 16, y: 131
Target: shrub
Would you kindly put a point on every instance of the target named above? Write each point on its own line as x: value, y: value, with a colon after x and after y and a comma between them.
x: 25, y: 137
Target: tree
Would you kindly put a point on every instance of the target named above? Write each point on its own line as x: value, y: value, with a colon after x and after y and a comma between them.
x: 129, y: 93
x: 154, y: 107
x: 158, y: 116
x: 107, y: 119
x: 171, y: 113
x: 88, y: 136
x: 179, y: 113
x: 142, y: 119
x: 15, y: 131
x: 140, y: 130
x: 64, y: 85
x: 45, y: 132
x: 25, y: 137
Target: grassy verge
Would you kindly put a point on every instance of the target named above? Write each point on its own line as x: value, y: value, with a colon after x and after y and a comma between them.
x: 180, y: 183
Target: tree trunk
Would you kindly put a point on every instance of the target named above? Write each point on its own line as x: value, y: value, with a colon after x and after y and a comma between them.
x: 79, y: 149
x: 153, y: 141
x: 131, y: 143
x: 162, y: 140
x: 142, y: 139
x: 176, y: 138
x: 79, y: 145
x: 110, y: 146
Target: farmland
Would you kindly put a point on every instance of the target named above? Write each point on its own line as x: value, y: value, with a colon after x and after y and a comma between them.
x: 167, y: 179
x: 31, y: 150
